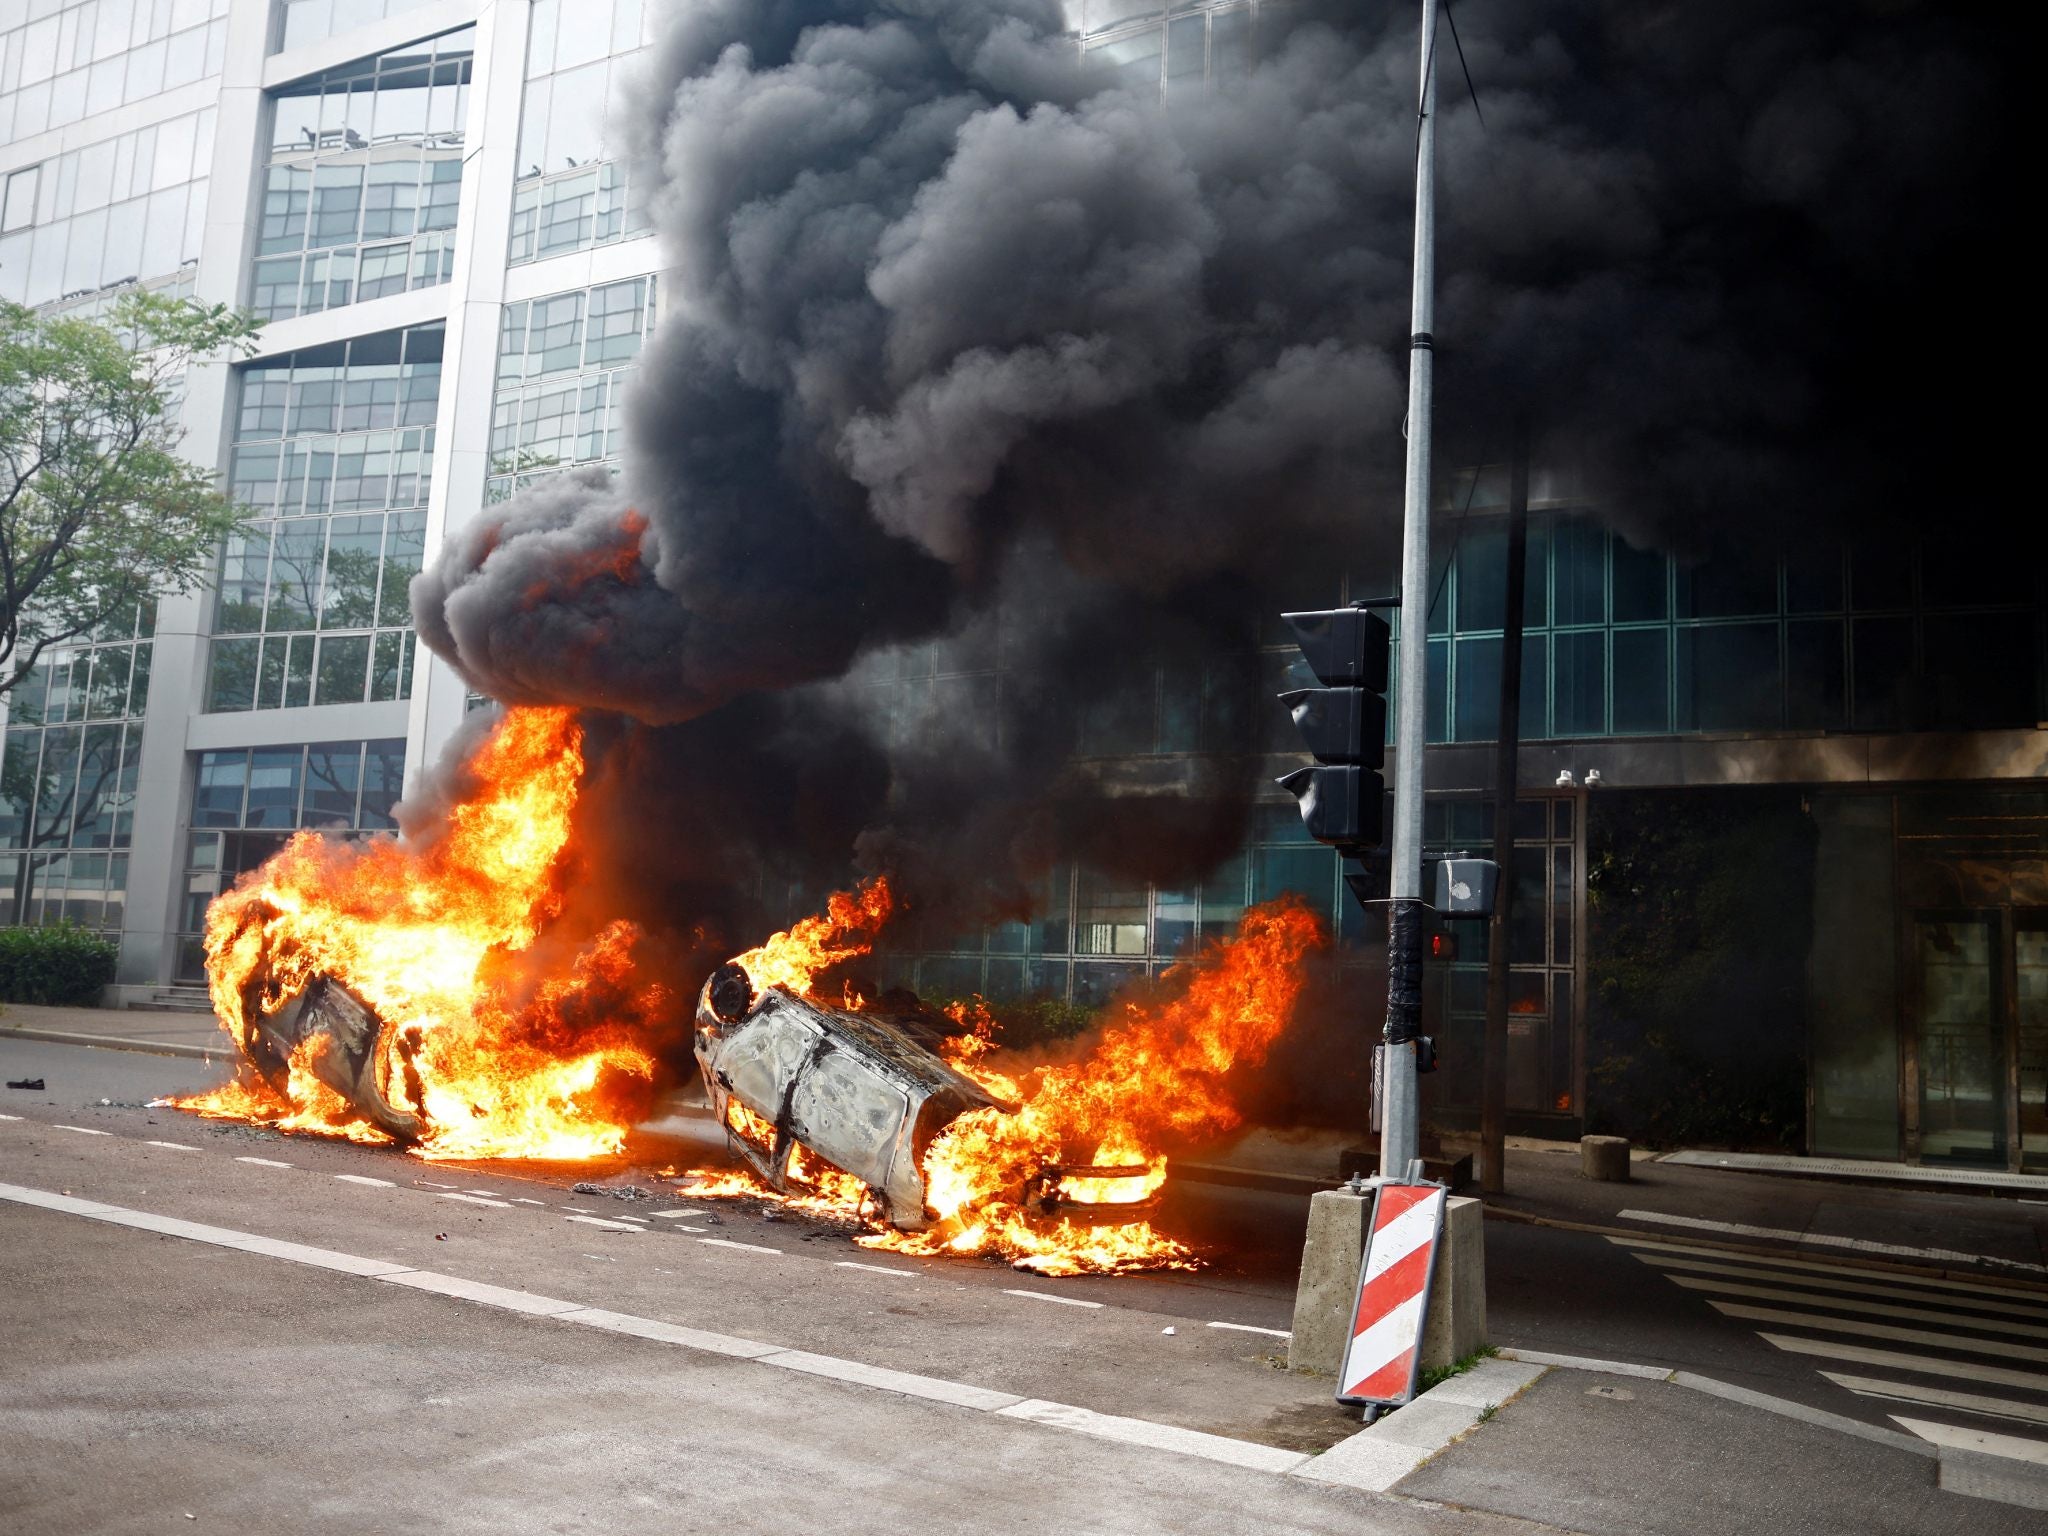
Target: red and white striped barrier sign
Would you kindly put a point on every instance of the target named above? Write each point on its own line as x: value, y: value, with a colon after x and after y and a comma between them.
x: 1385, y: 1352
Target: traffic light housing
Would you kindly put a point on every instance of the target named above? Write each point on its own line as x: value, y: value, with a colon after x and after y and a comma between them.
x: 1343, y: 724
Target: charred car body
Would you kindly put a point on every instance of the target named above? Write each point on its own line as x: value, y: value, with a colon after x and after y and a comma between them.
x: 866, y: 1091
x: 862, y: 1090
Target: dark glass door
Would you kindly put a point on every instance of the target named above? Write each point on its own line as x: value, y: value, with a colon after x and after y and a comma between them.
x: 2030, y: 1029
x: 1959, y: 968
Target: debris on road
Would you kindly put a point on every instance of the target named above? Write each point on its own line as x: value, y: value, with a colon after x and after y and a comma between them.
x: 32, y: 1084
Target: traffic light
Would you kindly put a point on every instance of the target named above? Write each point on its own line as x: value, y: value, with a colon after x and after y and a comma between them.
x: 1343, y: 724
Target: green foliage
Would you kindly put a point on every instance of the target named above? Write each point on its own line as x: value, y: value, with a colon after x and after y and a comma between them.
x: 1437, y: 1375
x: 1700, y: 915
x: 98, y: 511
x: 63, y: 965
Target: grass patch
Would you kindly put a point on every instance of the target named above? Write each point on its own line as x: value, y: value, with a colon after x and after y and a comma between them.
x: 1437, y: 1375
x: 1488, y: 1412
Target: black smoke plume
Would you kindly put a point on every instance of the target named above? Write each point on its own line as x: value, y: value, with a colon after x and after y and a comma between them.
x: 969, y: 342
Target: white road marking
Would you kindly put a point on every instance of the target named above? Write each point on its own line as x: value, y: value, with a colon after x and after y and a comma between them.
x: 1898, y: 1360
x: 430, y: 1184
x: 726, y: 1242
x: 364, y: 1178
x: 522, y: 1200
x: 1586, y: 1363
x: 1163, y: 1437
x: 580, y: 1210
x: 1983, y: 1441
x: 638, y: 1221
x: 1880, y: 1331
x: 83, y: 1130
x: 263, y: 1162
x: 958, y: 1393
x: 873, y: 1269
x: 682, y: 1213
x: 488, y: 1193
x: 1277, y: 1333
x: 175, y: 1146
x: 1869, y: 1308
x: 599, y: 1221
x: 1829, y: 1277
x: 1167, y: 1437
x: 456, y: 1194
x: 1828, y: 1240
x: 1065, y: 1301
x: 1941, y: 1397
x: 10, y: 1117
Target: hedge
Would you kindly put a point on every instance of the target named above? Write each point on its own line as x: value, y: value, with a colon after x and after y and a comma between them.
x: 62, y: 965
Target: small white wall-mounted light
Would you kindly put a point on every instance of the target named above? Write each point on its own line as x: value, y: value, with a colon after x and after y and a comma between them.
x: 1564, y: 778
x: 1592, y: 778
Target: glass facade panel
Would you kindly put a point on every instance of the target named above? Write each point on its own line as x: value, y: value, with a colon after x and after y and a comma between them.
x: 61, y: 63
x: 564, y: 363
x: 573, y: 190
x: 365, y: 170
x: 322, y: 435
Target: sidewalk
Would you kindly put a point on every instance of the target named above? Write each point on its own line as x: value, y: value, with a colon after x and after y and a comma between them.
x: 197, y: 1035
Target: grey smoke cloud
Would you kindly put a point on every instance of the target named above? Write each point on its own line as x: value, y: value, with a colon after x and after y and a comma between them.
x: 963, y: 324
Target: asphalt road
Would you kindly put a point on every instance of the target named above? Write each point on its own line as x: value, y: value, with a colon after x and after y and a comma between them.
x: 258, y: 1384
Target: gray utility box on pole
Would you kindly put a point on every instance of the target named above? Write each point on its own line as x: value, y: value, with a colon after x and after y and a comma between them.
x: 1465, y: 887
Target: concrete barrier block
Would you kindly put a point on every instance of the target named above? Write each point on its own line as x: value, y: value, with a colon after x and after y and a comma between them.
x: 1604, y: 1158
x: 1456, y: 1323
x: 1329, y: 1280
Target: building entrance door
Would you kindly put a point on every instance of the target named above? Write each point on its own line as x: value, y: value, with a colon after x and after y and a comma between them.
x: 1978, y: 993
x: 1961, y: 1049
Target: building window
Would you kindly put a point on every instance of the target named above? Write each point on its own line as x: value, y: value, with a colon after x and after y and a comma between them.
x: 247, y: 802
x: 70, y: 764
x: 127, y: 209
x: 335, y: 446
x: 365, y: 172
x: 563, y: 365
x: 301, y: 22
x: 573, y: 191
x: 60, y: 63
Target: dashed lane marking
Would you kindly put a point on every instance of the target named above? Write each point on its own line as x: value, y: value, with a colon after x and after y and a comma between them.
x: 1275, y: 1333
x: 10, y: 1117
x: 873, y: 1269
x: 1166, y: 1437
x: 726, y: 1242
x: 456, y: 1194
x: 430, y: 1184
x: 1065, y: 1301
x: 83, y: 1130
x: 580, y: 1210
x: 263, y: 1162
x: 599, y: 1221
x: 366, y: 1180
x: 523, y: 1200
x: 175, y: 1146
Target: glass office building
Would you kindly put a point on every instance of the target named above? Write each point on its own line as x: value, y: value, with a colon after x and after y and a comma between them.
x: 427, y: 201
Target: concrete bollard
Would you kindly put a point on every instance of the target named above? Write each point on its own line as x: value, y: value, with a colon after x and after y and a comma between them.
x: 1604, y: 1158
x: 1328, y: 1287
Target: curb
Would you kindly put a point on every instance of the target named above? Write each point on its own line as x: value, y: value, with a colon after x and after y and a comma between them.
x: 116, y: 1043
x: 1758, y: 1250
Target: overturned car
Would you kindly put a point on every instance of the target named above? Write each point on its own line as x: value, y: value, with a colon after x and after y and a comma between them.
x: 865, y: 1091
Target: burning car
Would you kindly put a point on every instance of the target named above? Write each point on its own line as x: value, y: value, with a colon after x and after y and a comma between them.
x: 865, y: 1091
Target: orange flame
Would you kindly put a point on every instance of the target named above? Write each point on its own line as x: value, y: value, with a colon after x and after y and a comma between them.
x: 411, y: 930
x: 847, y: 928
x: 1107, y: 1107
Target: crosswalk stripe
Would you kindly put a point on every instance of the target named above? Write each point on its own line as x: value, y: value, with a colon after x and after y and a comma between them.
x: 1940, y: 1397
x: 1898, y: 1360
x: 1879, y: 1330
x: 1934, y: 1282
x: 1982, y: 1441
x: 1851, y: 1287
x: 1870, y: 1308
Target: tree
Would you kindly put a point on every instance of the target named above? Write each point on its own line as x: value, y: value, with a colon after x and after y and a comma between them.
x: 97, y: 509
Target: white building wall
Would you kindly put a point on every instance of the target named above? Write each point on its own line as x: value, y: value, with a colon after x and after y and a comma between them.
x: 177, y: 725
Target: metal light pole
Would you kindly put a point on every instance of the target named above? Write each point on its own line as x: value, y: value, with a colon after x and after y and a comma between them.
x: 1397, y: 1075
